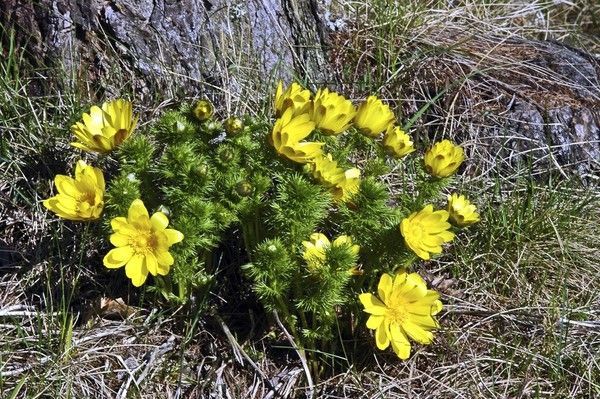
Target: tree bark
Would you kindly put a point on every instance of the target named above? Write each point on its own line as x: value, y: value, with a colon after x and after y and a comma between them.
x: 180, y: 46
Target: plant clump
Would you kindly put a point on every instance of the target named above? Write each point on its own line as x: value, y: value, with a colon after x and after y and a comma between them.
x: 319, y: 230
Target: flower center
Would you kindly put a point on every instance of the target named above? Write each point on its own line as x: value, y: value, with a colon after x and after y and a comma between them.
x: 417, y: 231
x: 144, y: 243
x: 120, y: 136
x: 397, y: 314
x: 88, y: 196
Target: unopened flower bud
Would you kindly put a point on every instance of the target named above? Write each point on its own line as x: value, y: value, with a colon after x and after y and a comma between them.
x: 244, y: 188
x: 234, y: 126
x: 213, y: 126
x: 226, y: 155
x: 204, y: 280
x: 203, y: 110
x: 200, y: 170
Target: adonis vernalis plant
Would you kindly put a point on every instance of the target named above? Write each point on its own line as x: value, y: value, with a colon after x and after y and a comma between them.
x: 304, y: 196
x: 103, y: 129
x: 405, y: 308
x: 373, y: 117
x: 142, y: 244
x: 462, y: 212
x: 79, y: 198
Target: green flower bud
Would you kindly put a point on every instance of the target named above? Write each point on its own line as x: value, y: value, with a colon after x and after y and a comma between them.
x: 200, y: 170
x: 203, y: 110
x: 225, y: 154
x: 234, y: 126
x: 244, y: 188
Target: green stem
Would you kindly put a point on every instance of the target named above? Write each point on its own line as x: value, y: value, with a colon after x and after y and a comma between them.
x: 287, y: 315
x: 251, y: 232
x: 182, y: 291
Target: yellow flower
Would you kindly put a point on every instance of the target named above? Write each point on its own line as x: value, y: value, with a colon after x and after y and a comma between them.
x: 347, y: 186
x: 295, y: 97
x: 203, y: 110
x: 81, y: 198
x: 373, y: 116
x: 142, y: 244
x: 396, y: 142
x: 347, y: 240
x: 425, y: 231
x: 315, y: 250
x: 287, y: 133
x: 331, y: 112
x: 444, y: 158
x: 342, y: 183
x: 405, y: 308
x: 462, y: 212
x: 104, y: 129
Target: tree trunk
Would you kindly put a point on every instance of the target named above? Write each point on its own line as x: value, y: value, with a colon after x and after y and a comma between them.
x: 177, y: 47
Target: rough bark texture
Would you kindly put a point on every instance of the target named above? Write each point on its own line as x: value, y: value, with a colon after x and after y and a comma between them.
x: 562, y: 117
x: 163, y: 44
x: 524, y: 101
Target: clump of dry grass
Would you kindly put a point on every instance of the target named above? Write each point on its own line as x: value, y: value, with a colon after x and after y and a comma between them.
x: 481, y: 73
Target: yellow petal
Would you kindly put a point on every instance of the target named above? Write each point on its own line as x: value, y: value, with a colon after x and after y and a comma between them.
x: 372, y: 305
x: 119, y: 239
x: 159, y: 221
x: 63, y: 203
x: 299, y: 127
x: 417, y: 333
x: 414, y: 288
x: 400, y: 343
x: 384, y: 288
x: 102, y: 143
x: 67, y: 186
x: 85, y: 147
x: 164, y: 258
x: 81, y: 132
x: 136, y: 270
x: 374, y: 321
x: 137, y: 210
x: 95, y: 119
x: 342, y: 240
x: 426, y: 322
x: 151, y: 263
x: 120, y: 223
x: 437, y: 306
x: 53, y: 204
x: 428, y: 305
x: 117, y: 257
x: 447, y: 236
x: 96, y: 178
x: 416, y: 249
x: 173, y: 236
x: 382, y: 339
